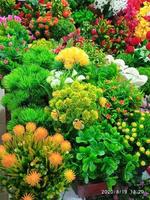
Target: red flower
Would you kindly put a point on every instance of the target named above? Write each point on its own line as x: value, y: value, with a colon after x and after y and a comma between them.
x: 113, y: 98
x: 49, y: 5
x: 134, y: 41
x: 66, y: 13
x: 148, y: 35
x: 94, y: 32
x: 42, y: 1
x: 64, y: 3
x: 129, y: 49
x: 121, y: 102
x: 148, y: 46
x: 108, y: 105
x: 108, y: 116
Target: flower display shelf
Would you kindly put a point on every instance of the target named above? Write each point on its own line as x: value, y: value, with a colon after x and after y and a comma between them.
x: 90, y: 190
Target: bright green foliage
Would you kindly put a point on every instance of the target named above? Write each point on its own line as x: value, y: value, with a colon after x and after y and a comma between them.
x: 50, y: 44
x: 102, y: 154
x: 63, y: 28
x: 77, y: 4
x: 25, y: 86
x: 24, y: 115
x: 81, y: 16
x: 145, y: 71
x: 39, y: 55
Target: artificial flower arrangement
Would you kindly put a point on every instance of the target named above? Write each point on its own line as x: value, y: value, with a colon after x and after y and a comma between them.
x: 34, y: 165
x: 12, y: 43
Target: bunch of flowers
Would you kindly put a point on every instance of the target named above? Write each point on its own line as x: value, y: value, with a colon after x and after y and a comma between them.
x: 72, y: 39
x: 110, y: 7
x: 143, y: 17
x: 136, y: 132
x: 30, y: 161
x: 110, y: 35
x: 75, y: 105
x: 41, y: 27
x: 13, y: 41
x: 73, y: 56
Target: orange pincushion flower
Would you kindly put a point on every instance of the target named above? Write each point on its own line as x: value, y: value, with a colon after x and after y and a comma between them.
x: 9, y: 160
x: 33, y: 178
x: 2, y: 150
x: 27, y: 197
x: 69, y: 175
x: 30, y: 127
x: 65, y: 146
x: 40, y: 134
x: 19, y: 130
x: 58, y: 138
x: 6, y: 137
x: 55, y: 159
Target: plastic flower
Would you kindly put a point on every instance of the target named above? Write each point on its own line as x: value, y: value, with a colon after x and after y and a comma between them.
x: 78, y: 124
x: 69, y: 175
x: 54, y: 115
x: 33, y: 178
x: 30, y: 127
x: 72, y: 56
x: 58, y: 138
x: 55, y: 159
x: 19, y: 130
x: 6, y: 137
x: 102, y: 101
x: 40, y: 134
x: 2, y: 150
x: 65, y: 146
x: 27, y: 197
x: 9, y: 160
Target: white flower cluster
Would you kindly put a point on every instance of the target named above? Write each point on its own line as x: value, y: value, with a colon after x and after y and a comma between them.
x: 115, y: 6
x: 130, y: 73
x: 56, y: 78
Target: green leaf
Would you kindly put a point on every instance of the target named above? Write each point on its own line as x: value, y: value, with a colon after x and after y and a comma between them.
x: 111, y: 181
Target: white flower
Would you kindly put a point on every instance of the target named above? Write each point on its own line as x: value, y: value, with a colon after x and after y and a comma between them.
x: 74, y: 73
x: 55, y: 82
x: 121, y: 64
x: 69, y: 80
x: 49, y: 79
x: 110, y: 58
x: 58, y: 74
x: 81, y: 78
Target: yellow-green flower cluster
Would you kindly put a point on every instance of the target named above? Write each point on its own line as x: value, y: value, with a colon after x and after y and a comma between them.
x: 76, y: 104
x: 137, y: 135
x: 71, y: 56
x: 144, y: 26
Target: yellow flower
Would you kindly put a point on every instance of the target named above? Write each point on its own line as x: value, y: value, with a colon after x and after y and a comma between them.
x: 141, y: 126
x: 66, y: 146
x: 133, y: 129
x: 72, y: 56
x: 138, y: 144
x: 55, y: 159
x: 138, y: 154
x: 27, y: 197
x: 134, y: 124
x: 30, y: 127
x: 78, y: 124
x: 143, y: 163
x: 134, y: 135
x: 142, y: 149
x: 147, y: 152
x: 9, y: 160
x: 54, y: 115
x: 40, y: 134
x: 148, y: 141
x: 6, y: 137
x: 124, y: 124
x: 132, y: 139
x: 33, y: 178
x: 127, y: 137
x: 19, y: 130
x: 69, y: 175
x: 102, y: 101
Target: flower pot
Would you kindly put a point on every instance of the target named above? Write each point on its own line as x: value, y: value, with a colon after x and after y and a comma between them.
x: 90, y: 190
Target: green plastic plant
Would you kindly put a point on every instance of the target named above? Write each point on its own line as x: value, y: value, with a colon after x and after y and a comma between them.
x: 62, y: 28
x: 81, y: 16
x: 102, y: 156
x: 6, y: 6
x: 39, y: 55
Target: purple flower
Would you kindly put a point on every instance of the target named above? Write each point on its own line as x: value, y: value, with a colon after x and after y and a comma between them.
x: 145, y: 194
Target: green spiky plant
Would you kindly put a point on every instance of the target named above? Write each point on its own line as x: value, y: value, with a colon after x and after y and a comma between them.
x: 26, y: 94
